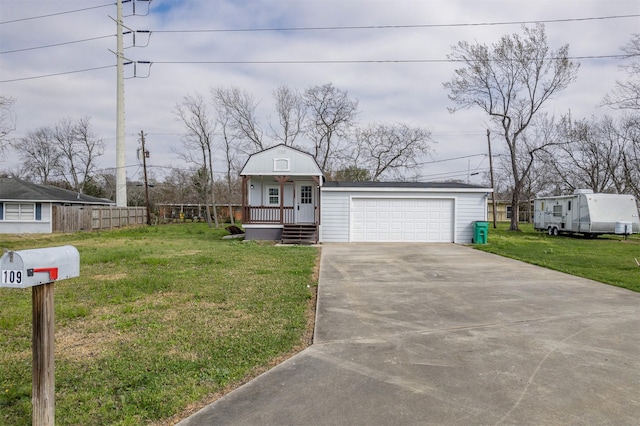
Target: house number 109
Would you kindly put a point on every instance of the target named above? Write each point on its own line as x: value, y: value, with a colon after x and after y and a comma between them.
x: 11, y: 277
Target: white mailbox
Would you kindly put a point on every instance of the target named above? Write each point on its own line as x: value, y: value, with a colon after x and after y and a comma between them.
x: 28, y: 268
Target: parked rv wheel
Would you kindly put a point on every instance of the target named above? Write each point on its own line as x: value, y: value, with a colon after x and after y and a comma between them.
x: 550, y: 230
x: 555, y: 231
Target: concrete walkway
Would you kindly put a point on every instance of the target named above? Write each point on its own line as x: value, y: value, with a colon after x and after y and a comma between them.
x: 444, y: 334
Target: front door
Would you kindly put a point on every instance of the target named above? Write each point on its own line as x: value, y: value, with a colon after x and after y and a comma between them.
x: 305, y: 205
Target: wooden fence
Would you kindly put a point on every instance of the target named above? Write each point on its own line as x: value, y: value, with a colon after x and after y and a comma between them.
x: 94, y: 218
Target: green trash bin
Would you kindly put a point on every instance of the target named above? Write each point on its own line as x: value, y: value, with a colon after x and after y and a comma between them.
x: 480, y: 232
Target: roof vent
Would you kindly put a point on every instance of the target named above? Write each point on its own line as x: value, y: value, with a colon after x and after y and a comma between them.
x: 582, y: 191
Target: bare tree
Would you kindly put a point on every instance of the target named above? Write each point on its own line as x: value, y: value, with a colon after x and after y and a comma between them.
x: 7, y: 120
x: 39, y: 155
x: 177, y: 187
x: 624, y: 133
x: 240, y: 108
x: 511, y: 81
x: 229, y: 149
x: 587, y: 159
x: 331, y: 117
x: 199, y: 138
x: 626, y: 94
x: 389, y: 151
x: 291, y: 112
x: 79, y: 148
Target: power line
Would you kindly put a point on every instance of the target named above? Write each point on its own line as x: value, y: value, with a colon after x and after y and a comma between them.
x: 376, y: 27
x: 449, y: 159
x: 56, y: 14
x: 313, y: 28
x: 358, y: 61
x: 446, y: 175
x: 56, y: 44
x: 56, y: 74
x: 299, y: 62
x: 350, y: 27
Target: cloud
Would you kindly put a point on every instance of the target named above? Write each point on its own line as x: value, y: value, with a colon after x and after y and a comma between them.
x: 410, y: 92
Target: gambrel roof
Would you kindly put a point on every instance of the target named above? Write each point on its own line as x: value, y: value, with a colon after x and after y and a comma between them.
x: 281, y: 160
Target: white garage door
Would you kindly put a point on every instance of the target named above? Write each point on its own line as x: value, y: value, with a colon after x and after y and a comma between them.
x: 402, y: 219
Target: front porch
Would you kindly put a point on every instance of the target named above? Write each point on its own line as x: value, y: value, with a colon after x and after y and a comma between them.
x: 266, y: 214
x: 280, y: 189
x: 280, y: 200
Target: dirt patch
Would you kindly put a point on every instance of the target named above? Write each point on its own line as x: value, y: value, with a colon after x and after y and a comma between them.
x: 78, y: 345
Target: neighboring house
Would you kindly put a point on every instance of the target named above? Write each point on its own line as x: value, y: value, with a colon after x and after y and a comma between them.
x: 283, y: 193
x: 26, y: 207
x: 505, y: 211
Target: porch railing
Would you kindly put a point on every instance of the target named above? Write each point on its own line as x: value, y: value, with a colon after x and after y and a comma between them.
x: 264, y: 214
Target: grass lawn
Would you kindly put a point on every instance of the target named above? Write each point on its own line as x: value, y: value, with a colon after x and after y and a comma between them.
x: 161, y: 321
x: 608, y: 259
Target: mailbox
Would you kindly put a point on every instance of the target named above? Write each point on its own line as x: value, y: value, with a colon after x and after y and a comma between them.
x: 28, y: 268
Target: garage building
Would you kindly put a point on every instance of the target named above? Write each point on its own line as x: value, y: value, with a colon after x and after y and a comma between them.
x: 401, y: 211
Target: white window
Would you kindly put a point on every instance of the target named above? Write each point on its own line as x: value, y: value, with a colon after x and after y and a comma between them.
x: 273, y: 196
x: 280, y: 164
x: 19, y: 211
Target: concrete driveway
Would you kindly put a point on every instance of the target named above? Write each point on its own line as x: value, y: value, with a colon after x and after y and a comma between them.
x: 444, y: 334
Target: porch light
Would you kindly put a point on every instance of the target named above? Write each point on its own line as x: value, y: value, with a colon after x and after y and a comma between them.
x: 251, y: 186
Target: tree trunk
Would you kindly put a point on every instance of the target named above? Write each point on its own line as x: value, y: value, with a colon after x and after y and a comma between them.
x: 213, y: 197
x: 515, y: 202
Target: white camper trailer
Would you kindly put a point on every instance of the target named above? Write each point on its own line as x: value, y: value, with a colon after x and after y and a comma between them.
x: 587, y: 213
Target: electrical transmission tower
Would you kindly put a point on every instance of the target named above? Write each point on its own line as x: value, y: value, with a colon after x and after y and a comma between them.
x: 121, y: 171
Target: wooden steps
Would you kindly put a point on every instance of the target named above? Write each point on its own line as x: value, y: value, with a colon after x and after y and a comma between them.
x: 300, y: 234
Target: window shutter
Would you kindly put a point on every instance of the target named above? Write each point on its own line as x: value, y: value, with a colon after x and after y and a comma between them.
x: 1, y: 211
x: 38, y: 211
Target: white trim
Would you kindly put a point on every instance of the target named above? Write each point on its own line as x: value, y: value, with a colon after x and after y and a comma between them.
x: 268, y: 196
x: 63, y: 202
x: 305, y: 174
x: 261, y: 225
x: 50, y: 218
x: 20, y: 213
x: 287, y: 164
x: 296, y: 201
x: 402, y: 189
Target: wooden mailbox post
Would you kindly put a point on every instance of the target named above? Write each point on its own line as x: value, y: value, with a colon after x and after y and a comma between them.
x: 40, y: 269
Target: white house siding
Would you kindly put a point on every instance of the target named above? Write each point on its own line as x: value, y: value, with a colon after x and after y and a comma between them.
x: 281, y: 160
x: 334, y: 217
x: 259, y: 196
x: 468, y: 206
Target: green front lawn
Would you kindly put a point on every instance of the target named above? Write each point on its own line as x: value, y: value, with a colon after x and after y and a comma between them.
x: 160, y: 320
x: 609, y: 259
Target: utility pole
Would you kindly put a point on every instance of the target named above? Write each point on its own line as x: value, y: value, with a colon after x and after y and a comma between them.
x: 493, y: 193
x: 145, y: 154
x: 121, y: 171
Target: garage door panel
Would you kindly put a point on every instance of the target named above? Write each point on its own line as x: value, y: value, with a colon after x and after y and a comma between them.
x: 402, y: 219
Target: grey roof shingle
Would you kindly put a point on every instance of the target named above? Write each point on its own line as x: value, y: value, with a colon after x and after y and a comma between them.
x: 14, y: 189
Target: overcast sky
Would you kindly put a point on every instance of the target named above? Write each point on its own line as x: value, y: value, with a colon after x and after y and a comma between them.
x: 393, y: 63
